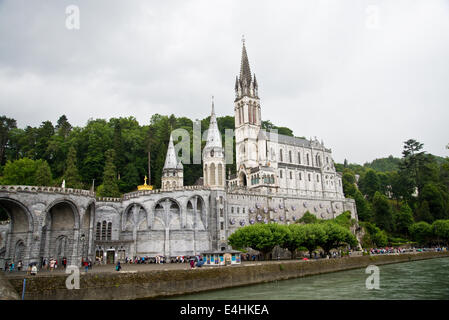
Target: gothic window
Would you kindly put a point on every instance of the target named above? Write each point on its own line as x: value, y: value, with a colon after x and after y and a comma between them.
x: 308, y: 160
x: 98, y: 233
x: 212, y: 174
x: 300, y: 176
x: 280, y: 174
x: 272, y: 179
x: 299, y: 158
x: 212, y: 153
x: 243, y: 210
x: 221, y: 225
x: 254, y: 114
x: 291, y: 175
x: 238, y: 209
x: 232, y: 209
x: 290, y: 156
x: 281, y: 155
x: 309, y: 176
x: 317, y: 178
x: 109, y: 231
x: 327, y: 160
x: 220, y: 174
x: 103, y: 231
x: 205, y: 175
x: 221, y: 212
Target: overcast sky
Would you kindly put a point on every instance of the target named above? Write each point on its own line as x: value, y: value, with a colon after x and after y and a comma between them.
x: 364, y: 76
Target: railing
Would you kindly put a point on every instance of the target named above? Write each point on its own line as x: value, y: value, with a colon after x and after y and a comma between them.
x: 136, y: 194
x: 20, y: 188
x: 319, y: 195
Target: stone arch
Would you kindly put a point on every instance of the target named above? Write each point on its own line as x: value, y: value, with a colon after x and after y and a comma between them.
x: 212, y: 174
x: 128, y: 218
x: 19, y: 251
x: 62, y: 219
x: 21, y: 218
x: 22, y: 225
x: 62, y: 204
x: 167, y: 214
x: 196, y: 213
x: 61, y: 248
x: 242, y: 179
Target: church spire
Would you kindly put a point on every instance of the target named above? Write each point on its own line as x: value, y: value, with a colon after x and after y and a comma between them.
x: 245, y: 84
x: 245, y: 70
x: 213, y: 134
x: 170, y: 160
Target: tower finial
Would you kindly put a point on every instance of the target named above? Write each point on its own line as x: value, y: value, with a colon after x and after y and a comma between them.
x: 243, y: 39
x: 213, y: 108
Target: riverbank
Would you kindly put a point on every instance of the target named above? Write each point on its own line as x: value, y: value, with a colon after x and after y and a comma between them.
x: 167, y: 282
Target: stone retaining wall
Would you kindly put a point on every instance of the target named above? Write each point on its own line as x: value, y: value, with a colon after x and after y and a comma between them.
x: 153, y: 284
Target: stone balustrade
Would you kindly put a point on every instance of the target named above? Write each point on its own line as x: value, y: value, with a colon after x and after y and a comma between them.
x: 36, y: 189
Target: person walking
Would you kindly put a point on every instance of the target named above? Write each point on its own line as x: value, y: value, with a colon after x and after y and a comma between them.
x: 118, y: 267
x: 64, y: 263
x: 33, y: 270
x: 19, y: 265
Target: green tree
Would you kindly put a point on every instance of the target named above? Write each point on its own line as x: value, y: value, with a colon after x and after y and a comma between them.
x: 437, y: 200
x: 43, y: 176
x: 374, y: 237
x: 423, y: 212
x: 6, y: 125
x: 335, y: 236
x: 348, y: 180
x: 308, y: 218
x: 314, y: 236
x: 382, y: 212
x: 260, y: 237
x: 412, y: 160
x: 63, y: 127
x: 421, y: 232
x: 403, y: 219
x: 363, y: 207
x: 440, y: 229
x: 20, y: 172
x: 294, y: 238
x: 71, y: 175
x: 110, y: 186
x: 369, y: 184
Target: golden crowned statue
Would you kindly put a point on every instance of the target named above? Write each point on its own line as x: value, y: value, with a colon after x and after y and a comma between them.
x: 145, y: 186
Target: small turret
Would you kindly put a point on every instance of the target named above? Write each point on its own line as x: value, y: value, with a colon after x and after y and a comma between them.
x: 173, y: 171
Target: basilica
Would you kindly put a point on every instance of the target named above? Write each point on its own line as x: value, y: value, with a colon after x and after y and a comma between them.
x: 278, y: 179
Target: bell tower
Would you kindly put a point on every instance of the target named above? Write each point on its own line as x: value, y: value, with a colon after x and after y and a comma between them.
x: 247, y: 115
x: 214, y: 166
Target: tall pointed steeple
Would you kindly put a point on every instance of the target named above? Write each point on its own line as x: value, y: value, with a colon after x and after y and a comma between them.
x: 245, y: 70
x: 245, y: 84
x: 170, y: 160
x: 213, y: 134
x: 172, y: 173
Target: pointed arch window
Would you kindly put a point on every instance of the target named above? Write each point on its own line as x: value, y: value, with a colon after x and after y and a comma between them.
x: 109, y: 231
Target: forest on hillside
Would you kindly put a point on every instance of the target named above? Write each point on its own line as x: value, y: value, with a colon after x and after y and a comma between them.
x: 48, y: 154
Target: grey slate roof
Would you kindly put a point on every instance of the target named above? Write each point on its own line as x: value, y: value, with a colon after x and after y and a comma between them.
x: 170, y: 160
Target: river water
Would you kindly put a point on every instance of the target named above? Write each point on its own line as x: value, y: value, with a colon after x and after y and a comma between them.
x: 425, y: 279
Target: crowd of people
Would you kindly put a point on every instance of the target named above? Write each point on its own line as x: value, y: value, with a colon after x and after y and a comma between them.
x: 392, y: 250
x: 161, y: 259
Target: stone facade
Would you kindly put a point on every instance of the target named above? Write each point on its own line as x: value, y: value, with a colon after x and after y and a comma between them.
x: 278, y: 179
